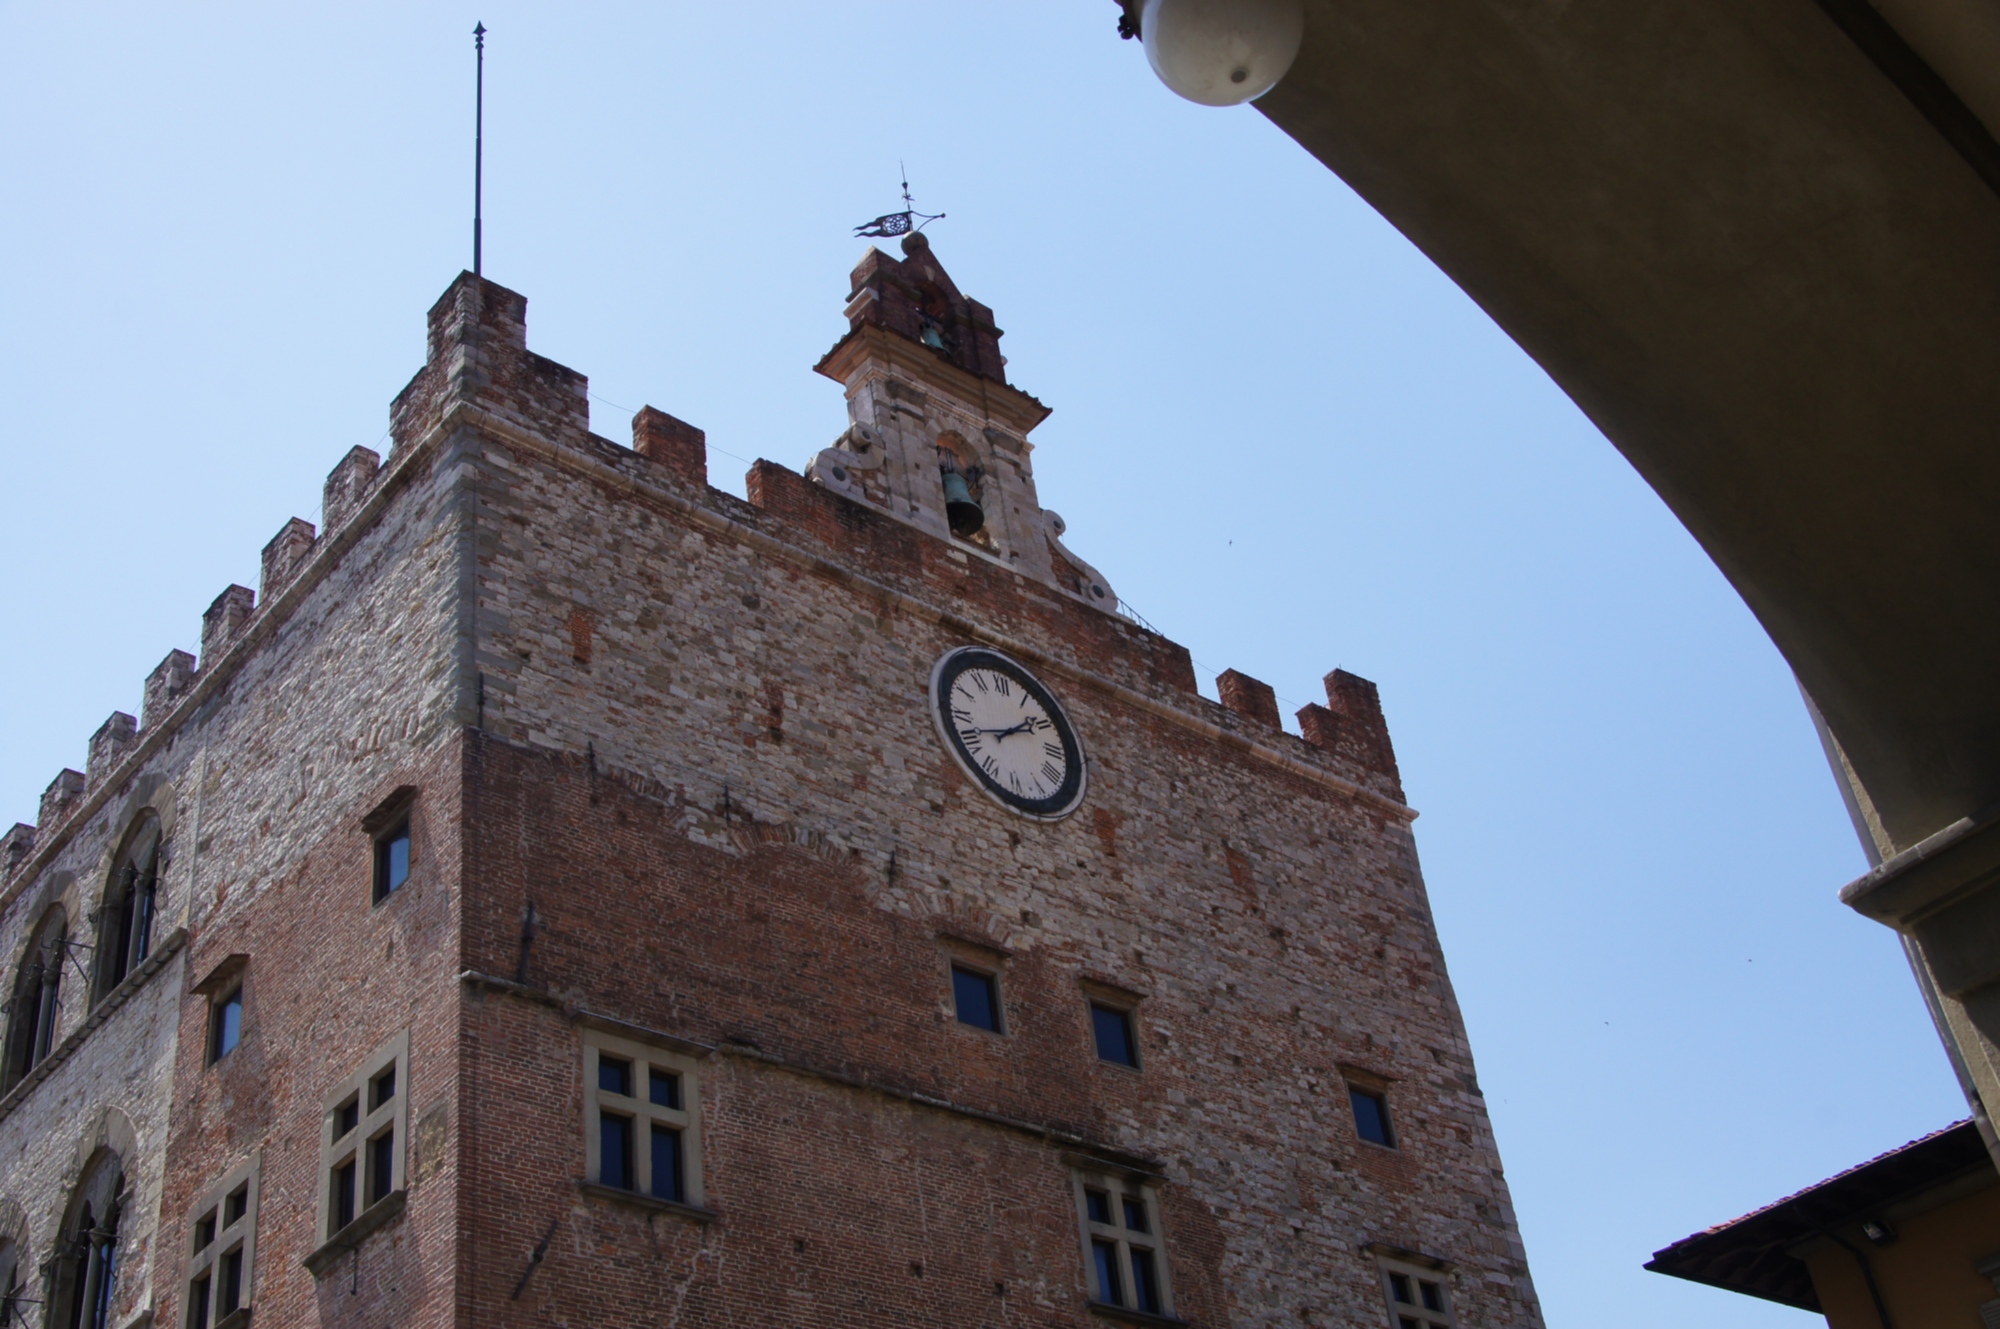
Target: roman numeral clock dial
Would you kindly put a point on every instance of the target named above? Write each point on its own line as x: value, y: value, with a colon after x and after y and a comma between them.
x: 1008, y: 732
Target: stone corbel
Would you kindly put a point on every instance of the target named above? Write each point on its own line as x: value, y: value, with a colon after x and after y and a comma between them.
x: 859, y: 449
x: 1096, y: 590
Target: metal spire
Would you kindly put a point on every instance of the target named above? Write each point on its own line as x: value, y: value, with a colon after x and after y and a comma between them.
x: 478, y: 136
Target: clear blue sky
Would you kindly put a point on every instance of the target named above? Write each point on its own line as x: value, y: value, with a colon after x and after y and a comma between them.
x: 1288, y: 440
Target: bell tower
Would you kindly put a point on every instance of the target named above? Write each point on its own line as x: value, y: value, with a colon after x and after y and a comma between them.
x: 937, y: 436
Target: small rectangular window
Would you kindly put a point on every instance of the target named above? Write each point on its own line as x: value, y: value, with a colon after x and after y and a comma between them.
x: 366, y: 1133
x: 392, y: 859
x: 1371, y: 1115
x: 235, y: 1206
x: 976, y: 997
x: 1123, y: 1260
x: 641, y: 1132
x: 1417, y: 1296
x: 198, y: 1292
x: 204, y: 1232
x: 225, y: 1026
x: 1113, y: 1028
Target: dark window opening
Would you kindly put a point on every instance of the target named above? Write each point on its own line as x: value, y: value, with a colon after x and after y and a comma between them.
x: 382, y: 1088
x: 1135, y: 1214
x: 614, y: 1076
x: 230, y: 1294
x: 977, y: 997
x: 225, y: 1026
x: 1145, y: 1282
x: 1405, y: 1322
x: 1371, y: 1119
x: 1115, y: 1042
x: 345, y: 1118
x: 125, y: 936
x: 204, y: 1232
x: 381, y: 1165
x: 392, y: 859
x: 1399, y: 1287
x: 198, y: 1303
x: 1099, y: 1206
x: 235, y: 1206
x: 1433, y: 1296
x: 665, y: 1088
x: 343, y: 1195
x: 1109, y: 1289
x: 614, y: 1150
x: 667, y: 1182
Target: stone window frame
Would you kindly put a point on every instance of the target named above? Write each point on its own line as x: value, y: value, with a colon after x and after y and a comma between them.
x: 393, y: 814
x: 199, y: 1263
x: 1112, y: 997
x: 31, y: 1034
x: 630, y: 1045
x: 1120, y: 1184
x: 976, y: 956
x: 1357, y: 1079
x: 1418, y: 1274
x: 352, y: 1145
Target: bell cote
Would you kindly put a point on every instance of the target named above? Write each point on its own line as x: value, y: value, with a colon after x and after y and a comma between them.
x: 937, y: 437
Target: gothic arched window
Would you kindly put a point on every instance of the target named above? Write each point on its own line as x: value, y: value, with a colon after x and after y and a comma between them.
x: 33, y: 1006
x: 125, y: 923
x: 83, y: 1278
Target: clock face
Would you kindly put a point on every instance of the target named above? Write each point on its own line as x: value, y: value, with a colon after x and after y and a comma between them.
x: 1008, y: 732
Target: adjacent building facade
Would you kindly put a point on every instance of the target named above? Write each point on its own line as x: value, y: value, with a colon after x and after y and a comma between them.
x: 569, y: 894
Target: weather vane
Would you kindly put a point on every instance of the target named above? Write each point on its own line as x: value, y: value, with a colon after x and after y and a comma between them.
x: 899, y: 223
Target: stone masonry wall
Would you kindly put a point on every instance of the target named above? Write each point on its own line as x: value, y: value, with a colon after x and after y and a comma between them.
x: 1263, y: 892
x: 297, y: 707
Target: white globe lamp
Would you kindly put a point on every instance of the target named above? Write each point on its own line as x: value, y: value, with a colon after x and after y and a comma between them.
x: 1221, y: 52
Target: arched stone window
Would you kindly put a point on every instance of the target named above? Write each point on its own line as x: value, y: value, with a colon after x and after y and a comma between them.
x: 125, y: 923
x: 83, y: 1276
x: 33, y: 1006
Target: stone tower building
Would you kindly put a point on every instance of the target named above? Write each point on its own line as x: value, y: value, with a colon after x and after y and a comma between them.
x: 566, y: 894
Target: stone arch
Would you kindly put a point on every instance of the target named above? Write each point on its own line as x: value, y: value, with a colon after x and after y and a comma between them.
x: 112, y: 1132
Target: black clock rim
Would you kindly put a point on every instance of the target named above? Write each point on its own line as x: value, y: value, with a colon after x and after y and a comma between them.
x: 1070, y: 794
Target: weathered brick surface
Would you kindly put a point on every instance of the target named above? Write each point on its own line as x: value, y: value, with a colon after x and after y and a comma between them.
x: 673, y: 767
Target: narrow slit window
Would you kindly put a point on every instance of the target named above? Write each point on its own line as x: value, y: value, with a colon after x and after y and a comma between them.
x: 976, y: 997
x: 198, y: 1293
x: 381, y: 1165
x: 229, y: 1296
x: 343, y: 1196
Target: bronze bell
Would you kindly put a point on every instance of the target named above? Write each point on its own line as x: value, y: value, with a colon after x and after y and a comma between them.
x: 965, y: 516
